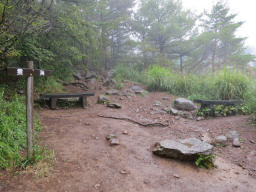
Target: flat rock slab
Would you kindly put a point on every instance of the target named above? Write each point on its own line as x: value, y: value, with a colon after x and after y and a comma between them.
x: 187, y: 149
x: 114, y: 105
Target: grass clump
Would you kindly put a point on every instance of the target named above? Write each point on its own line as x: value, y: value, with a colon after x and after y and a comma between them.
x: 205, y: 161
x: 13, y: 140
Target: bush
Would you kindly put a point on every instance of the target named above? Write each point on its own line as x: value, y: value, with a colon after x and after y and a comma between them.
x: 122, y: 72
x: 13, y: 130
x: 230, y: 84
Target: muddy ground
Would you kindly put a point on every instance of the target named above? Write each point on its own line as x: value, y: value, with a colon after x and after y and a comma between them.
x: 85, y: 162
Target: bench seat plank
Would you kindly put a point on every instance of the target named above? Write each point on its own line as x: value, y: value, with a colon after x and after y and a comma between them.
x: 54, y: 97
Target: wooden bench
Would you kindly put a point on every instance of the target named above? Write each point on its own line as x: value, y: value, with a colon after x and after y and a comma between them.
x: 210, y: 103
x: 54, y: 97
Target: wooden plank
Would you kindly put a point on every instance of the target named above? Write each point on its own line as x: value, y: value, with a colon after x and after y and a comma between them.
x: 84, y: 101
x: 29, y: 112
x: 53, y: 102
x: 13, y: 71
x: 218, y: 102
x: 41, y: 73
x: 66, y: 95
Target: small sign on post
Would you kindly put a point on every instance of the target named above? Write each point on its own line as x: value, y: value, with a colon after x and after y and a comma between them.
x: 29, y: 73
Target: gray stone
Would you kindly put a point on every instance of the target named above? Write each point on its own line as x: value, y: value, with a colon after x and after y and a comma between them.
x: 236, y: 142
x: 157, y: 103
x: 231, y: 135
x: 114, y: 141
x: 114, y: 105
x: 173, y: 111
x: 110, y: 83
x: 112, y: 92
x: 138, y: 90
x: 187, y: 149
x: 222, y: 140
x: 166, y: 98
x: 125, y: 132
x: 184, y: 104
x: 186, y: 115
x: 92, y: 80
x: 110, y: 136
x: 102, y: 99
x: 77, y: 76
x: 199, y: 118
x: 90, y: 75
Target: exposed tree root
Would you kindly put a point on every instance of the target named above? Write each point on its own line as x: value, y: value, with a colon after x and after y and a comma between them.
x: 136, y: 122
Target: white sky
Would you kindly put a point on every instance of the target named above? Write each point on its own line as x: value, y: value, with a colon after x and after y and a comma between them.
x: 246, y: 10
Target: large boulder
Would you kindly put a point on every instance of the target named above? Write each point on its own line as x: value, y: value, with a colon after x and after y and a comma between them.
x: 187, y: 149
x: 184, y: 104
x: 110, y: 83
x: 90, y: 75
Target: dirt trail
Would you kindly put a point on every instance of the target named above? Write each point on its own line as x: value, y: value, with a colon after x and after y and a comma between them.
x: 86, y: 162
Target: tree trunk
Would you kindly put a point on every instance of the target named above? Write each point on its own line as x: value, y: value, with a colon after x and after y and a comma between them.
x: 181, y: 63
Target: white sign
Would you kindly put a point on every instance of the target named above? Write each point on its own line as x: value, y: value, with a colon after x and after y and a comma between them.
x: 19, y: 72
x: 42, y: 73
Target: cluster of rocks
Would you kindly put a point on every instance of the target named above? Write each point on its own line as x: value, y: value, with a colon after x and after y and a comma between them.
x: 182, y: 107
x: 113, y: 139
x: 104, y: 98
x: 231, y: 136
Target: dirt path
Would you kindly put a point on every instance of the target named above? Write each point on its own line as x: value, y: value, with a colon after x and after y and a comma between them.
x: 86, y: 162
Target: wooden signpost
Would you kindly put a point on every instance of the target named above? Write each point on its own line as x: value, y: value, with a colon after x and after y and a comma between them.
x: 29, y: 73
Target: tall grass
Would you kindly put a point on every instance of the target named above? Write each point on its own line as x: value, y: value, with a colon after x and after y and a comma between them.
x: 13, y: 130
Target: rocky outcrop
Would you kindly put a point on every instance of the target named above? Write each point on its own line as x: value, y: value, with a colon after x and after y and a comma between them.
x: 187, y: 149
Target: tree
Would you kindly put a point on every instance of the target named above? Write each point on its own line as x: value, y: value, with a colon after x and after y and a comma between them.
x: 220, y: 28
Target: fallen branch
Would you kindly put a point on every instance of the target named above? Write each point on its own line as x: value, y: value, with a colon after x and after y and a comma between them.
x: 136, y: 122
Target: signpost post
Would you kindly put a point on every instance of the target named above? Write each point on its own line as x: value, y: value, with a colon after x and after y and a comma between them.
x: 29, y: 72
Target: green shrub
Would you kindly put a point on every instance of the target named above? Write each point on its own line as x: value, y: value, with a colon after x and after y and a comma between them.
x: 122, y: 72
x: 13, y: 130
x: 231, y: 84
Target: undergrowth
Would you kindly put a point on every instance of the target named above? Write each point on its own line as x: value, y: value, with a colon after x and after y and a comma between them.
x: 205, y: 161
x: 13, y: 133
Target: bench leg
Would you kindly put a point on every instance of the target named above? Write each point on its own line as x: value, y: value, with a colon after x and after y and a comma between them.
x: 53, y: 103
x: 84, y: 101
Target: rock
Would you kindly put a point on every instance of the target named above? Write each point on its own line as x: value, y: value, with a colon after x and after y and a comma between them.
x: 102, y: 99
x: 125, y: 132
x: 110, y: 83
x: 187, y: 149
x: 97, y: 186
x: 2, y: 187
x: 252, y: 141
x: 231, y: 135
x: 123, y: 172
x: 236, y: 142
x: 199, y: 118
x: 114, y: 141
x: 112, y: 92
x: 92, y: 80
x: 205, y: 137
x: 77, y: 76
x: 184, y: 104
x: 110, y: 136
x: 186, y: 115
x: 166, y: 98
x: 176, y: 176
x: 177, y: 118
x: 21, y: 92
x: 114, y: 105
x: 173, y: 111
x: 157, y: 103
x: 138, y: 90
x: 90, y: 75
x: 221, y: 140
